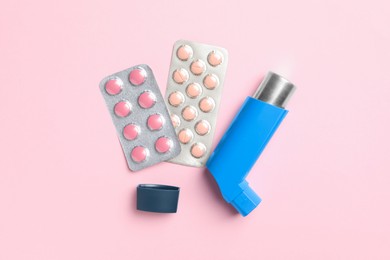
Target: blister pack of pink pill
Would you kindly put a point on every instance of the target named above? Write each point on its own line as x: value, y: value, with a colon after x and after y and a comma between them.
x: 140, y: 116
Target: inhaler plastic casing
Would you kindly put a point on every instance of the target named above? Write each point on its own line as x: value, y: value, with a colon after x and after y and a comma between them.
x: 246, y: 138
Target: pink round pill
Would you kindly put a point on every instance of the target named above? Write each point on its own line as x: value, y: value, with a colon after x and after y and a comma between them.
x: 137, y: 76
x: 176, y: 98
x: 193, y: 90
x: 147, y: 99
x: 202, y: 127
x: 215, y: 58
x: 185, y: 135
x: 180, y: 76
x: 198, y: 150
x: 155, y: 122
x: 184, y: 52
x: 122, y: 108
x: 211, y: 81
x: 175, y: 121
x: 206, y: 104
x: 139, y: 154
x: 163, y: 144
x: 197, y: 67
x: 189, y: 113
x: 131, y: 131
x: 114, y: 86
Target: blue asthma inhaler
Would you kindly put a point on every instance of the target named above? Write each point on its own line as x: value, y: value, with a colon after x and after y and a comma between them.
x: 245, y: 140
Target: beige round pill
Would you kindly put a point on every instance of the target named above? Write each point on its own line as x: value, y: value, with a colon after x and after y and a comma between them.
x: 197, y: 67
x: 184, y: 52
x: 189, y: 113
x: 211, y: 81
x: 206, y: 104
x: 193, y: 90
x: 175, y: 121
x: 180, y: 76
x: 215, y: 58
x: 185, y: 136
x: 202, y: 127
x: 176, y: 98
x: 198, y: 150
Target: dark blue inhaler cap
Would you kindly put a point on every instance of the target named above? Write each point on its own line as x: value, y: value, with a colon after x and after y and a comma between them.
x: 157, y: 198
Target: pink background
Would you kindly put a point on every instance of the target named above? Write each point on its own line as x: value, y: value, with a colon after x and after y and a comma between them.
x: 66, y: 192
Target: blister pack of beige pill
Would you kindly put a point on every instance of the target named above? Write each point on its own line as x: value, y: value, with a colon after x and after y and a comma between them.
x: 194, y: 89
